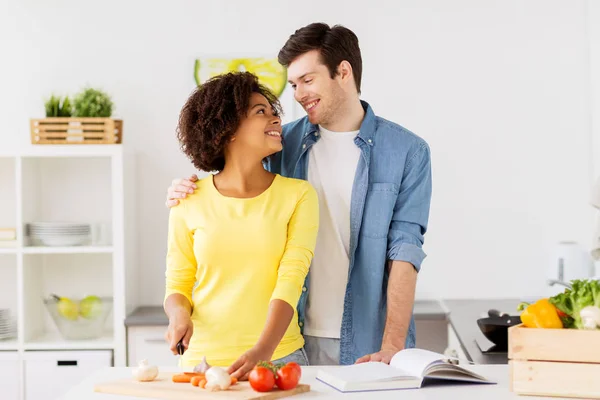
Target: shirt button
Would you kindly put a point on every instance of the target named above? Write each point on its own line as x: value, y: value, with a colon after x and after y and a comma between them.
x: 370, y: 141
x: 304, y: 146
x: 304, y: 289
x: 301, y: 324
x: 316, y: 133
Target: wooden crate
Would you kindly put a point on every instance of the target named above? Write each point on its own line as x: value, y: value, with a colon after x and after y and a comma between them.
x: 76, y: 131
x: 554, y: 362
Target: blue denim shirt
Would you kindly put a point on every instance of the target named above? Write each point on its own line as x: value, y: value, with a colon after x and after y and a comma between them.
x: 389, y: 212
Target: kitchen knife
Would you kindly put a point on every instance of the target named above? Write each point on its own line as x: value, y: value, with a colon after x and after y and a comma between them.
x: 180, y: 351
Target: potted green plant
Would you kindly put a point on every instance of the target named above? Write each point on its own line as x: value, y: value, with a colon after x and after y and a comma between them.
x: 92, y: 103
x: 85, y: 121
x: 57, y: 107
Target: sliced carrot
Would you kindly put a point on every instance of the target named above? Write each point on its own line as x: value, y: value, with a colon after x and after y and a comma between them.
x: 196, y: 380
x: 233, y: 380
x: 182, y: 378
x: 202, y: 383
x: 193, y: 373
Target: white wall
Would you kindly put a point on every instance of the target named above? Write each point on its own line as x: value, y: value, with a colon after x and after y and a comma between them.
x: 500, y: 90
x: 593, y: 26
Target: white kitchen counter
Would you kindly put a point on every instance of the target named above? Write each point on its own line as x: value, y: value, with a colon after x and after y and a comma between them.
x: 498, y: 373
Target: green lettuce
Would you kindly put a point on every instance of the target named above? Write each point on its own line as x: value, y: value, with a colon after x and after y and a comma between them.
x: 583, y: 293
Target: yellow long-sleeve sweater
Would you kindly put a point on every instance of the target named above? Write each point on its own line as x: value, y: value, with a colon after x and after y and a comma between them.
x: 230, y: 257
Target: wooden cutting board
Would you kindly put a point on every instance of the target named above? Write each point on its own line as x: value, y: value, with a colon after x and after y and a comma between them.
x: 163, y: 388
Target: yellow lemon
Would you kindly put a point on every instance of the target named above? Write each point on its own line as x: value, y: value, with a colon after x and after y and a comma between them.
x: 67, y: 308
x: 268, y: 70
x: 90, y: 307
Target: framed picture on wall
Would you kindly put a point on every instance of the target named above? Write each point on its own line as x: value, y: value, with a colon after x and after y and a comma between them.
x: 266, y: 67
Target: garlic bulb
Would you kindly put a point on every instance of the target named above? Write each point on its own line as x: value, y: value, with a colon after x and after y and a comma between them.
x: 145, y: 372
x: 217, y: 379
x: 202, y: 367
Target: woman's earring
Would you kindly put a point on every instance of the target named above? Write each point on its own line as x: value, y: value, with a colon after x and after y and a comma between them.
x: 233, y: 138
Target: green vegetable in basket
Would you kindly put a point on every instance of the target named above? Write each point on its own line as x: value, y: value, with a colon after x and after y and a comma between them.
x: 583, y: 293
x: 92, y: 103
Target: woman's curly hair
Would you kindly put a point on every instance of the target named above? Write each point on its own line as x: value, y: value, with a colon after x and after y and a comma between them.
x: 212, y: 114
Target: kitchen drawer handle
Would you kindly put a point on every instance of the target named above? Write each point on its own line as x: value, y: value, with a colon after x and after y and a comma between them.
x: 66, y: 363
x: 161, y: 340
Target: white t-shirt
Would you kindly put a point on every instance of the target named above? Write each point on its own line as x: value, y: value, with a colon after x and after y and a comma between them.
x: 331, y: 168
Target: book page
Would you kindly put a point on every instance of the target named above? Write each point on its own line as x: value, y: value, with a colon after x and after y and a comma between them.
x: 367, y: 372
x: 415, y: 361
x: 454, y: 372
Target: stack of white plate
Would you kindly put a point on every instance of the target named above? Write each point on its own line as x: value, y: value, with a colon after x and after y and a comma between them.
x: 7, y: 327
x: 59, y: 233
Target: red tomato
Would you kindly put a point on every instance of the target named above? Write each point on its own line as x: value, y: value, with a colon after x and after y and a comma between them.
x: 296, y: 367
x: 560, y: 313
x: 288, y: 376
x: 261, y: 379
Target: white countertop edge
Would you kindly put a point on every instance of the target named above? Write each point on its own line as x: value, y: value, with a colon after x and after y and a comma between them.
x: 461, y: 391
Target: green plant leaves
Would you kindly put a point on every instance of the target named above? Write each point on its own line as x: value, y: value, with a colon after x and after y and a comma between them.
x: 92, y: 103
x: 54, y: 107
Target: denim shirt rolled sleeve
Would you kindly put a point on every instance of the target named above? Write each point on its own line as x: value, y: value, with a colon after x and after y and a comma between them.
x: 411, y: 212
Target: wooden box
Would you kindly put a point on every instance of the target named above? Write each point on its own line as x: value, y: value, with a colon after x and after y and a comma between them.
x: 76, y: 131
x: 554, y: 362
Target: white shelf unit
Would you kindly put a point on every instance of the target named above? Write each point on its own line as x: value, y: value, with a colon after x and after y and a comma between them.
x: 68, y: 250
x: 8, y: 251
x: 8, y: 293
x: 73, y: 183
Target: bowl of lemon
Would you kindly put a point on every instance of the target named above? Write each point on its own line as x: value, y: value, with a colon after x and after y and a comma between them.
x: 79, y: 318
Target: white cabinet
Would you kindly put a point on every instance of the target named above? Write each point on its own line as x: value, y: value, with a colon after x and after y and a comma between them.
x: 50, y: 374
x: 84, y: 184
x: 148, y: 342
x: 10, y: 375
x: 432, y: 333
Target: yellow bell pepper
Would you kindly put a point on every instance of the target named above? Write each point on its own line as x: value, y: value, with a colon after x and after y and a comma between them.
x: 541, y: 314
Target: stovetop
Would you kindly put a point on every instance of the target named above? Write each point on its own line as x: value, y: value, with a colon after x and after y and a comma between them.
x: 487, y: 347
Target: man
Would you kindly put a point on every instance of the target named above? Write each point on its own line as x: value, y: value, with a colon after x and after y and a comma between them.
x: 373, y: 180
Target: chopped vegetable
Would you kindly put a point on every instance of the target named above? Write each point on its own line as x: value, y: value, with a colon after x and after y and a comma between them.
x: 145, y: 372
x: 182, y: 378
x: 541, y: 314
x: 195, y: 381
x: 583, y: 293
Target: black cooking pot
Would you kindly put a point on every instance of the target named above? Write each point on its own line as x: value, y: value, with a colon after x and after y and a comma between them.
x: 495, y: 327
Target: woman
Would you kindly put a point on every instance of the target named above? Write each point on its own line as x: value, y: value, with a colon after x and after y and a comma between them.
x: 239, y: 248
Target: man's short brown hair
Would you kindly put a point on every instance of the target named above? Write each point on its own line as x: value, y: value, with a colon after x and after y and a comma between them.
x: 335, y: 44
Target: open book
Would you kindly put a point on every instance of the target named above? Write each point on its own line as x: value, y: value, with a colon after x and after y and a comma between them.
x: 407, y: 370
